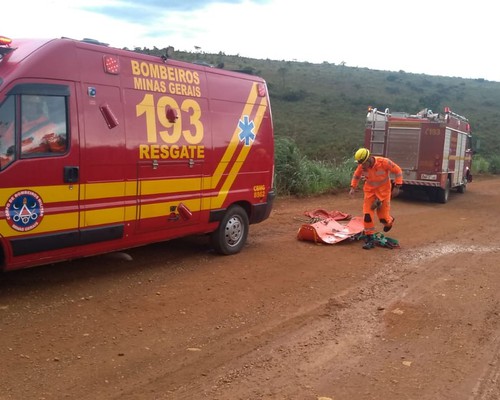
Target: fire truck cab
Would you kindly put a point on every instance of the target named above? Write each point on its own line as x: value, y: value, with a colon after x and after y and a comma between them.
x: 103, y: 149
x: 434, y: 150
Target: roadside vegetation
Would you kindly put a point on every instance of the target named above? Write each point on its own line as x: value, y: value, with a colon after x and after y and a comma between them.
x: 319, y: 113
x: 298, y: 175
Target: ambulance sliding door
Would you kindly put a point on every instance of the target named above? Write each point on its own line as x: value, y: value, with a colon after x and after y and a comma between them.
x: 171, y: 139
x: 104, y: 172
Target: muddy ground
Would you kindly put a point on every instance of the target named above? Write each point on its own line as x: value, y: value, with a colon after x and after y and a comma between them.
x: 284, y: 319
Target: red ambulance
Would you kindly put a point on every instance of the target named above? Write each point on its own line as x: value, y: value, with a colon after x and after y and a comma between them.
x: 104, y: 149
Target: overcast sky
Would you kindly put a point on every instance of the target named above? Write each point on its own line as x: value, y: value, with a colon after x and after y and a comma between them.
x: 434, y: 37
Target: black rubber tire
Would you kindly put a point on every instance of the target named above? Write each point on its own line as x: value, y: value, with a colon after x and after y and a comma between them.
x: 231, y: 235
x: 442, y: 195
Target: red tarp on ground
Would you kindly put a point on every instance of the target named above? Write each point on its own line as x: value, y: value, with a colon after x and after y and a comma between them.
x: 327, y: 230
x: 323, y: 214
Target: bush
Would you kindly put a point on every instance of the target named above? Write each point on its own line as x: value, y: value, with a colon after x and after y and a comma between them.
x: 294, y: 95
x: 287, y: 166
x: 494, y: 166
x: 300, y: 176
x: 480, y: 165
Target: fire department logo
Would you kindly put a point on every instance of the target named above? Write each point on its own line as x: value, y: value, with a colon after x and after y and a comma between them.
x: 24, y: 210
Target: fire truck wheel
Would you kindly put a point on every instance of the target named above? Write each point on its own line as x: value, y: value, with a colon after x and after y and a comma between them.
x: 231, y: 235
x: 443, y: 194
x: 462, y: 188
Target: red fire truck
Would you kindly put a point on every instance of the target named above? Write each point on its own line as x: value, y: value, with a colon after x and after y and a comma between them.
x: 104, y: 149
x: 434, y: 150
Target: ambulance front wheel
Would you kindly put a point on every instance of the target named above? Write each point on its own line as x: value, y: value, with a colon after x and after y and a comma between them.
x: 231, y: 235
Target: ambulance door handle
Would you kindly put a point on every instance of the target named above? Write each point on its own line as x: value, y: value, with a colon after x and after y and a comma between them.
x: 71, y: 174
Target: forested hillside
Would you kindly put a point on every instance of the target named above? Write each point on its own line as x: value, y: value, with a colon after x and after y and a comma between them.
x: 322, y: 107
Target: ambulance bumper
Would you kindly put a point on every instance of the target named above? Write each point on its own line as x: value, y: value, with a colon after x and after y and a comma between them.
x: 261, y: 211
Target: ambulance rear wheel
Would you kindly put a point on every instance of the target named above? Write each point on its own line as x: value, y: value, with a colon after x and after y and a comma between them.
x: 231, y: 235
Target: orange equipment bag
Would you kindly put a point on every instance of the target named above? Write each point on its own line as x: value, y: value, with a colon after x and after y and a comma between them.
x: 329, y: 231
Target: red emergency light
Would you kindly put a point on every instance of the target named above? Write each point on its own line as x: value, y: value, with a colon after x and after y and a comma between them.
x: 261, y: 89
x: 111, y: 65
x: 447, y: 110
x: 437, y: 163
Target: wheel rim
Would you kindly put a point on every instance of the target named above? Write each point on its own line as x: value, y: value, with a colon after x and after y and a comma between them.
x: 234, y: 231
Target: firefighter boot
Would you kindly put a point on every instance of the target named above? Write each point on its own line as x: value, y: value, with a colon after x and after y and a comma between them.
x: 369, y: 242
x: 387, y: 228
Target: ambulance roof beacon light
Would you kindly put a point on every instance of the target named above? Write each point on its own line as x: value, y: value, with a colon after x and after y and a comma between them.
x: 5, y: 48
x: 5, y: 41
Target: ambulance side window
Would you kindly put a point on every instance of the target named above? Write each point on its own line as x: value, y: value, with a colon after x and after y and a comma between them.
x: 7, y: 132
x: 43, y: 126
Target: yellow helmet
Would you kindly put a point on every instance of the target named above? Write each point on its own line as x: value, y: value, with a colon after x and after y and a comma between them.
x: 362, y: 155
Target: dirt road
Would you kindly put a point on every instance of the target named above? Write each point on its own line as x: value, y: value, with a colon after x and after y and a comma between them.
x: 284, y: 319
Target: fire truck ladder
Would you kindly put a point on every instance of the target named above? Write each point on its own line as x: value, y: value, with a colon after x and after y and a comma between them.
x: 377, y: 122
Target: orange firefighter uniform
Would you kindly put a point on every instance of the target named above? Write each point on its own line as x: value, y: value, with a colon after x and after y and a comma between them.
x: 377, y: 185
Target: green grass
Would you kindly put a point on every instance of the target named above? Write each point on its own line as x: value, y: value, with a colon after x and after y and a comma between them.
x: 300, y: 176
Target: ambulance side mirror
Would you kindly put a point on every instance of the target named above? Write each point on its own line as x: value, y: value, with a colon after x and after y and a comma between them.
x: 172, y: 115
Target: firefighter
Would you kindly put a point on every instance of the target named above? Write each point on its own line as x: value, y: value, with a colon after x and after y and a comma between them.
x: 378, y: 190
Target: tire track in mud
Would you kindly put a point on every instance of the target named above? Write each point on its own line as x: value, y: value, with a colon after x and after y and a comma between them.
x: 341, y: 331
x: 488, y: 385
